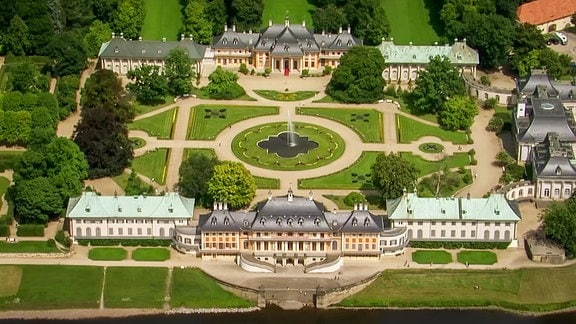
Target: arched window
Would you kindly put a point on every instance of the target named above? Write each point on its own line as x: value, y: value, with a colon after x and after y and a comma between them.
x: 162, y: 232
x: 496, y: 235
x: 88, y: 232
x: 334, y: 246
x: 547, y: 192
x: 507, y: 235
x: 78, y: 231
x: 410, y: 234
x: 486, y: 234
x: 419, y: 234
x: 98, y: 232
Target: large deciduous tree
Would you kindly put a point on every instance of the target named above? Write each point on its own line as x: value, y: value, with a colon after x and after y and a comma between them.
x: 68, y: 54
x: 391, y: 174
x: 196, y: 23
x: 223, y: 85
x: 368, y: 20
x: 37, y: 201
x: 329, y: 19
x: 435, y: 85
x: 97, y: 34
x: 24, y: 77
x: 149, y: 85
x: 559, y: 224
x: 17, y: 39
x: 247, y: 14
x: 102, y: 133
x: 129, y: 18
x: 358, y: 78
x: 179, y: 72
x: 458, y: 113
x: 232, y: 183
x: 195, y: 173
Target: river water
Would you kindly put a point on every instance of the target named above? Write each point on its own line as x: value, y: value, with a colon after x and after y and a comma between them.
x: 276, y: 316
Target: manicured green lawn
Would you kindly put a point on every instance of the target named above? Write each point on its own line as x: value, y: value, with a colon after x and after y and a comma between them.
x: 534, y: 289
x: 122, y: 181
x: 477, y: 257
x: 163, y: 19
x: 4, y: 184
x: 339, y: 201
x: 206, y: 121
x: 356, y: 176
x: 414, y: 21
x: 140, y: 108
x: 152, y: 164
x: 159, y: 125
x: 431, y: 256
x: 135, y: 287
x: 27, y: 247
x: 330, y: 147
x: 325, y: 99
x: 410, y: 130
x: 107, y: 254
x: 267, y: 183
x: 285, y: 96
x: 366, y: 122
x: 8, y: 159
x: 137, y: 142
x: 194, y: 289
x: 151, y: 254
x: 54, y: 287
x: 426, y: 167
x: 297, y: 10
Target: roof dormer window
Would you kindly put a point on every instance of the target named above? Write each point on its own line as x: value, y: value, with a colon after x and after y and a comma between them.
x: 558, y: 171
x: 226, y: 221
x: 116, y: 50
x: 458, y: 56
x: 143, y: 51
x: 317, y: 221
x: 245, y: 222
x: 338, y: 42
x: 367, y: 222
x: 278, y: 221
x: 213, y: 221
x: 286, y: 48
x: 224, y: 41
x: 262, y: 221
x: 289, y: 222
x: 235, y: 41
x: 159, y: 51
x: 300, y: 221
x: 354, y: 222
x: 349, y: 43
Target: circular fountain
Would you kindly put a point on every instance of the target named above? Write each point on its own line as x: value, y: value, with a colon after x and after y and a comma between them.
x: 288, y: 144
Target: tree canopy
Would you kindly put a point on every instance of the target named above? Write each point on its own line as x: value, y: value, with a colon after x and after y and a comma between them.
x: 223, y: 85
x: 196, y: 23
x: 149, y: 85
x: 358, y: 78
x: 195, y: 172
x: 129, y: 18
x: 24, y: 77
x: 435, y: 85
x: 391, y: 174
x: 329, y: 19
x: 559, y: 224
x: 247, y: 14
x: 232, y: 183
x: 458, y: 113
x: 179, y: 72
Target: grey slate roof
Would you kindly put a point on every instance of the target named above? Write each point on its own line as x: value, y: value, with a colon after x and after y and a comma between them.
x: 554, y: 158
x: 224, y: 220
x: 459, y: 53
x: 119, y: 47
x: 234, y: 39
x: 546, y: 114
x: 539, y: 81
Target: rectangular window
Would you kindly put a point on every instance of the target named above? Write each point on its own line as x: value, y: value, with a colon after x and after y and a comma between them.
x: 473, y: 233
x: 473, y: 223
x: 373, y: 246
x: 463, y: 223
x: 110, y: 231
x: 507, y: 224
x: 410, y: 223
x: 487, y: 224
x: 433, y: 233
x: 433, y: 223
x: 130, y: 231
x: 442, y: 233
x: 443, y: 223
x: 453, y: 223
x: 148, y: 231
x: 497, y: 224
x: 347, y: 246
x: 120, y: 231
x: 462, y: 233
x: 139, y: 231
x: 453, y: 233
x: 420, y: 223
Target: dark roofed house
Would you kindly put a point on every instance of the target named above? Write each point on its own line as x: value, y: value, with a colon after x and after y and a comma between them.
x: 121, y: 55
x: 282, y: 47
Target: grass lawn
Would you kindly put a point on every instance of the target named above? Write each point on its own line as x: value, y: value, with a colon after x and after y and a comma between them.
x: 27, y: 247
x: 356, y: 176
x: 122, y: 181
x: 330, y: 147
x: 477, y: 257
x: 426, y: 167
x: 135, y: 287
x: 107, y: 254
x: 8, y: 159
x: 206, y: 121
x: 163, y: 19
x: 140, y: 108
x: 51, y: 287
x: 152, y: 164
x: 431, y: 256
x: 4, y: 184
x: 151, y: 254
x: 267, y: 183
x: 410, y: 130
x: 414, y: 21
x: 194, y: 289
x: 339, y: 201
x: 285, y: 96
x: 297, y: 10
x: 535, y: 289
x: 160, y: 125
x: 326, y: 99
x: 366, y: 122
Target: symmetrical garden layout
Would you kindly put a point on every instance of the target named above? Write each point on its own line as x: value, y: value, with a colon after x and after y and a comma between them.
x: 345, y: 139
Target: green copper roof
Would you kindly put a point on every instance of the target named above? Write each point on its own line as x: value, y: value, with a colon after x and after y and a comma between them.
x: 459, y: 53
x: 90, y: 205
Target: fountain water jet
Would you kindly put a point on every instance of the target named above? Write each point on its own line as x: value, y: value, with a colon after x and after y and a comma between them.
x: 291, y: 134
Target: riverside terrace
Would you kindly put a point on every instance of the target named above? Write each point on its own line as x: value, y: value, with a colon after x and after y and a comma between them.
x: 299, y: 231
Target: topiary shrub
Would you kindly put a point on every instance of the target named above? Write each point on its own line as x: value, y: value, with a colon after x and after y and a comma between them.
x: 327, y: 70
x: 485, y: 80
x: 4, y: 230
x: 51, y: 243
x: 62, y: 238
x: 305, y: 73
x: 353, y: 198
x: 267, y: 71
x: 243, y: 69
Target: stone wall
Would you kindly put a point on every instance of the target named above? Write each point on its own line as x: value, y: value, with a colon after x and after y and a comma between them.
x: 325, y: 298
x: 482, y: 92
x: 252, y: 295
x: 36, y: 255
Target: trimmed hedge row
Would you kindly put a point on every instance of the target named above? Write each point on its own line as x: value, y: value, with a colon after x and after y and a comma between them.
x: 6, y: 220
x: 125, y: 242
x: 4, y: 230
x: 30, y: 230
x: 459, y: 245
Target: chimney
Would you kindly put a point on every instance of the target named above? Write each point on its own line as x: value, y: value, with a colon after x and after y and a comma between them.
x: 310, y: 195
x: 455, y: 40
x: 287, y: 21
x: 410, y: 43
x: 355, y: 206
x: 303, y: 23
x: 139, y: 38
x: 233, y: 27
x: 250, y: 31
x: 349, y: 29
x: 191, y: 37
x: 269, y: 22
x: 225, y: 27
x: 323, y: 32
x: 113, y: 35
x: 269, y: 194
x: 163, y: 39
x: 340, y: 30
x: 181, y: 37
x: 215, y: 206
x: 290, y: 194
x: 464, y: 40
x: 225, y: 206
x: 122, y: 35
x: 435, y: 43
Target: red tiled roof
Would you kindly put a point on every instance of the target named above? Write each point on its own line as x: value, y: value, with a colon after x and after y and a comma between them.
x: 543, y: 11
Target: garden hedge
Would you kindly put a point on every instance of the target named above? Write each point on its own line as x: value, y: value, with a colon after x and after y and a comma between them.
x: 30, y: 230
x: 4, y: 230
x: 459, y: 245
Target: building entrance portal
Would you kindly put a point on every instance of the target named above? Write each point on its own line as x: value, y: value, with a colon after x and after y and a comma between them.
x: 286, y: 67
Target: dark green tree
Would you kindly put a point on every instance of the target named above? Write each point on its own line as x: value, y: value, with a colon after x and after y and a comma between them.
x: 149, y: 85
x: 527, y: 38
x: 68, y: 54
x: 358, y: 78
x: 24, y: 77
x: 458, y: 113
x: 232, y: 183
x: 368, y: 19
x: 195, y: 172
x: 215, y: 11
x: 17, y: 40
x: 37, y: 201
x: 179, y: 71
x: 247, y: 14
x: 129, y: 18
x: 559, y: 224
x: 435, y: 85
x: 329, y: 19
x: 391, y: 174
x: 492, y: 36
x: 97, y: 34
x: 223, y: 85
x: 196, y: 23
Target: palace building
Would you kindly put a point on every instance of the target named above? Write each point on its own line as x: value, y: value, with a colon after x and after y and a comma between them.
x: 282, y: 48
